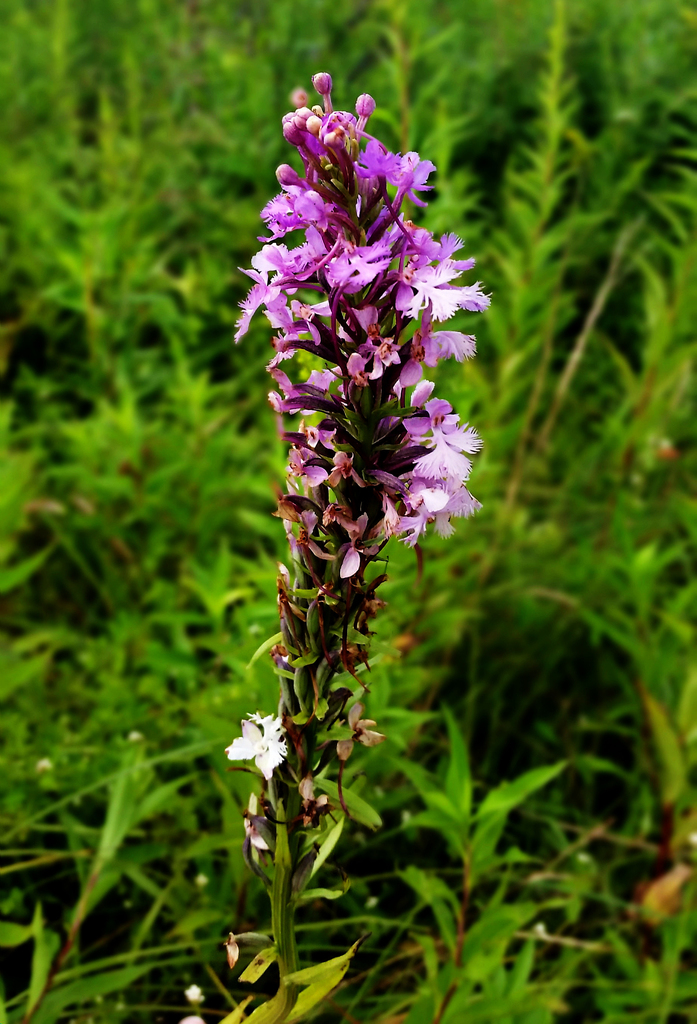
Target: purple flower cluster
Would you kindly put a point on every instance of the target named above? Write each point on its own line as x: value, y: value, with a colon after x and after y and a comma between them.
x: 363, y: 291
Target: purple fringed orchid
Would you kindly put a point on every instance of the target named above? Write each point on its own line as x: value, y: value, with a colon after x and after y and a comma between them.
x: 364, y: 290
x: 346, y: 278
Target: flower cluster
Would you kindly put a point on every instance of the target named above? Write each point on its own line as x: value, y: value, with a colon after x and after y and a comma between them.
x: 359, y: 296
x: 363, y: 290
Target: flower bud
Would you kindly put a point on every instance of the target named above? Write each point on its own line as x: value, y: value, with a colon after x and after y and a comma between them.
x: 322, y: 83
x: 287, y: 175
x: 344, y: 749
x: 301, y: 116
x: 314, y: 125
x: 317, y: 110
x: 298, y: 97
x: 232, y: 950
x: 306, y: 788
x: 365, y: 105
x: 293, y: 134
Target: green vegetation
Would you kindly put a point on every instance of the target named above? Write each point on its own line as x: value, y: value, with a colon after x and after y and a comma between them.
x: 547, y: 646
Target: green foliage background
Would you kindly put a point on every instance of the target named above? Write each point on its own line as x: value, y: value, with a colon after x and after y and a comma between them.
x: 138, y: 140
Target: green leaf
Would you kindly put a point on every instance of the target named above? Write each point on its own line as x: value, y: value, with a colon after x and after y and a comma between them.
x: 46, y: 945
x: 16, y: 672
x: 237, y: 1015
x: 14, y: 575
x: 495, y: 808
x: 254, y: 970
x: 15, y: 934
x: 687, y: 709
x: 307, y: 659
x: 358, y: 808
x: 320, y: 979
x: 160, y: 797
x: 486, y: 941
x: 322, y: 894
x: 672, y: 768
x: 87, y: 988
x: 423, y: 1011
x: 263, y: 648
x: 330, y: 841
x: 196, y: 919
x: 508, y: 795
x: 458, y: 782
x: 120, y: 810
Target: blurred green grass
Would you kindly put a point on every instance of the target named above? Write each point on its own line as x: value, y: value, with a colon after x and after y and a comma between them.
x: 137, y: 553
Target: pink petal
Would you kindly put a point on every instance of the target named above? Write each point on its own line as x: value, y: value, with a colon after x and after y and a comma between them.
x: 351, y: 563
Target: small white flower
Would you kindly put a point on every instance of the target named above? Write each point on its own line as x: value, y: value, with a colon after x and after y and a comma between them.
x: 540, y: 929
x: 371, y: 902
x: 583, y: 858
x: 268, y: 748
x: 44, y: 765
x: 134, y: 736
x: 194, y: 994
x: 201, y: 881
x: 692, y: 838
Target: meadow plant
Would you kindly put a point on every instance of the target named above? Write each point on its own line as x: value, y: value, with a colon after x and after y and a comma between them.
x: 375, y: 456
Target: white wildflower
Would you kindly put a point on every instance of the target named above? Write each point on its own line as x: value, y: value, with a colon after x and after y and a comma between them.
x: 268, y: 748
x: 134, y: 736
x: 201, y: 880
x: 44, y: 765
x: 194, y: 994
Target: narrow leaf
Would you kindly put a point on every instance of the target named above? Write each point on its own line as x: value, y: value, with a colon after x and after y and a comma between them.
x: 263, y: 648
x: 12, y: 934
x: 359, y: 809
x: 237, y: 1015
x: 254, y: 970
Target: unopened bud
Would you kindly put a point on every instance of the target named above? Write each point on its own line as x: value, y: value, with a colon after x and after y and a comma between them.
x: 301, y: 116
x: 306, y: 788
x: 314, y: 125
x: 293, y: 134
x: 365, y: 105
x: 298, y: 97
x: 287, y: 175
x: 344, y: 749
x: 322, y: 83
x: 232, y: 950
x: 317, y: 110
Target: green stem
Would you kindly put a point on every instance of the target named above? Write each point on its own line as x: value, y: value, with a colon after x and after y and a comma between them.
x: 278, y: 1009
x: 282, y: 908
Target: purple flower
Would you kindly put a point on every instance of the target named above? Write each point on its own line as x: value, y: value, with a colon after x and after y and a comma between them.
x: 358, y: 266
x: 412, y: 176
x: 447, y: 442
x: 298, y: 466
x: 431, y: 286
x: 260, y: 294
x: 362, y: 293
x: 377, y: 162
